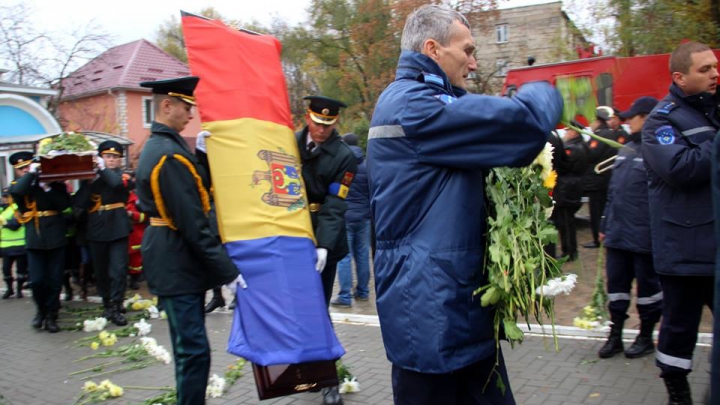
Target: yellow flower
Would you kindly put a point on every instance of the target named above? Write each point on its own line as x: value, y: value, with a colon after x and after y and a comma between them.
x: 115, y: 391
x: 136, y: 306
x: 136, y: 297
x: 155, y: 301
x: 108, y: 342
x: 104, y: 384
x: 89, y: 386
x: 103, y: 335
x: 94, y: 345
x: 551, y: 180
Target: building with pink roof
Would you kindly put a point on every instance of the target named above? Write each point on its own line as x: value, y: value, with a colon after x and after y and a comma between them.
x: 104, y: 94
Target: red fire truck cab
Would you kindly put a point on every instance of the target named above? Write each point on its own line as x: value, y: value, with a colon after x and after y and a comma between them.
x: 616, y: 81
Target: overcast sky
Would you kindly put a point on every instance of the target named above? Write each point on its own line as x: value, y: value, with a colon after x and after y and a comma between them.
x: 129, y: 20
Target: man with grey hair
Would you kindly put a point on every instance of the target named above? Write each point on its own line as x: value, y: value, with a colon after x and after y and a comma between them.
x: 430, y: 144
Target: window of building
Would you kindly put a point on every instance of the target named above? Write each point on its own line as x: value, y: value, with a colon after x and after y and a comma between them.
x: 501, y: 67
x: 501, y: 33
x: 148, y: 113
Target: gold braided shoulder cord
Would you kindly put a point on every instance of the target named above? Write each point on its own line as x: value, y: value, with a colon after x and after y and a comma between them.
x: 157, y: 195
x: 97, y: 202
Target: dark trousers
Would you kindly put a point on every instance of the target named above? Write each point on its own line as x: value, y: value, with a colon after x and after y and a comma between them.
x: 596, y: 205
x: 110, y: 261
x: 467, y: 386
x: 46, y: 269
x: 684, y: 298
x: 328, y: 279
x: 565, y: 222
x: 191, y: 348
x: 622, y: 266
x: 22, y: 266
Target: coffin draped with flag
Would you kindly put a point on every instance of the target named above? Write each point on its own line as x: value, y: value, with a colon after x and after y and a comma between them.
x: 262, y: 210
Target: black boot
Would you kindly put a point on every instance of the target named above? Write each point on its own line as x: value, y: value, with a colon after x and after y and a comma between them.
x: 51, y: 323
x: 116, y: 316
x: 134, y: 285
x: 107, y: 309
x: 331, y: 396
x: 678, y: 390
x: 20, y: 282
x: 216, y: 302
x: 614, y: 344
x: 68, y: 287
x: 39, y: 319
x: 643, y: 343
x: 9, y: 292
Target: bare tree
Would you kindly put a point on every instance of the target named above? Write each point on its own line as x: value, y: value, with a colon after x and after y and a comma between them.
x: 40, y: 58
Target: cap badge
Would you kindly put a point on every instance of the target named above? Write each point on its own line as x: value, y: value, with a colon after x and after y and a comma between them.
x: 325, y: 111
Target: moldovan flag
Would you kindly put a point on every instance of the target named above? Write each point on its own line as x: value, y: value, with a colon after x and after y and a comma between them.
x: 260, y: 198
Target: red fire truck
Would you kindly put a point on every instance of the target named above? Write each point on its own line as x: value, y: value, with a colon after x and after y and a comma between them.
x: 616, y: 81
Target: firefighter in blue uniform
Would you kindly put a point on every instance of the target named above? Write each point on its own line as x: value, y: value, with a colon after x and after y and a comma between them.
x: 328, y: 169
x: 182, y: 256
x: 107, y: 228
x: 625, y: 231
x: 430, y: 144
x: 677, y: 143
x: 41, y: 206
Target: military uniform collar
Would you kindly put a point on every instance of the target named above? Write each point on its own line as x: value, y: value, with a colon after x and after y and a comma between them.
x: 162, y: 129
x: 330, y: 145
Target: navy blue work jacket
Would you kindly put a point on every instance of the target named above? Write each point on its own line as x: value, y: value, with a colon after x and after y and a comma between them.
x: 429, y: 146
x: 677, y: 149
x: 358, y: 199
x: 626, y: 222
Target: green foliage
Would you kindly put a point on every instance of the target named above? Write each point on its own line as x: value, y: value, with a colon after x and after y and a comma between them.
x: 234, y: 372
x: 68, y: 142
x: 342, y: 371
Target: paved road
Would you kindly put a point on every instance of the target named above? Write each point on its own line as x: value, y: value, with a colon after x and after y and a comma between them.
x: 35, y: 365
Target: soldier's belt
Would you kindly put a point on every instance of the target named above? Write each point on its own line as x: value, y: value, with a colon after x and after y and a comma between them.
x: 157, y: 221
x: 314, y: 207
x: 108, y: 207
x: 31, y: 214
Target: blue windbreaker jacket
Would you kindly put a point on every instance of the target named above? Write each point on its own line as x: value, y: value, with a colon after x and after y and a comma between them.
x: 428, y: 148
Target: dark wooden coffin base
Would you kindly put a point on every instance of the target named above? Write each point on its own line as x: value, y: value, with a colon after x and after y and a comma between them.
x: 287, y: 379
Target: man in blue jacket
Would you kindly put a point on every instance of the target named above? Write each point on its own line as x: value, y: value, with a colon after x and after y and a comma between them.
x: 625, y: 231
x: 677, y: 149
x: 430, y: 144
x: 357, y: 220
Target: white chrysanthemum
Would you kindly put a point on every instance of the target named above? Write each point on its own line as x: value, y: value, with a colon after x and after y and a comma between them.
x: 148, y: 342
x: 143, y: 327
x: 153, y: 312
x: 215, y: 387
x: 544, y: 159
x: 349, y: 385
x: 94, y: 325
x: 558, y: 285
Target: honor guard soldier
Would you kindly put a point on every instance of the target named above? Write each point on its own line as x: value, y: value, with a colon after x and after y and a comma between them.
x: 328, y: 169
x: 41, y: 206
x: 677, y: 150
x: 182, y: 257
x: 625, y: 232
x: 107, y: 228
x: 12, y: 236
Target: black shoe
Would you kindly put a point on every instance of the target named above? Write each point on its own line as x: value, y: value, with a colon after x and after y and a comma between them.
x: 331, y: 396
x: 678, y: 390
x: 38, y: 321
x: 8, y: 293
x: 116, y: 316
x: 643, y: 345
x: 216, y: 302
x: 20, y: 282
x: 107, y: 309
x: 51, y: 324
x: 613, y: 346
x: 591, y: 245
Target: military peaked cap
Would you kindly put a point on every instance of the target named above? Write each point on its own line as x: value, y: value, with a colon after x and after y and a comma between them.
x: 324, y: 110
x: 182, y: 87
x: 21, y: 159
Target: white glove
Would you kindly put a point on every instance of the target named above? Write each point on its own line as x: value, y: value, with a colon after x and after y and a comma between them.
x: 321, y: 259
x: 34, y: 167
x: 200, y: 140
x: 100, y: 163
x: 239, y: 281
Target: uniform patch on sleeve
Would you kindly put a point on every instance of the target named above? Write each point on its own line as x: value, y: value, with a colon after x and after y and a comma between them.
x: 665, y: 135
x: 593, y: 144
x: 445, y: 98
x: 339, y: 190
x: 666, y: 108
x: 347, y: 179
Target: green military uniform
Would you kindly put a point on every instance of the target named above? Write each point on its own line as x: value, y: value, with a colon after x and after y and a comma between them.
x: 107, y: 230
x: 182, y: 257
x: 12, y: 249
x: 41, y: 206
x: 327, y: 173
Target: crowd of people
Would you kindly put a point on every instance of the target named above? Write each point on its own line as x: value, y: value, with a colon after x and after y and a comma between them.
x: 430, y: 143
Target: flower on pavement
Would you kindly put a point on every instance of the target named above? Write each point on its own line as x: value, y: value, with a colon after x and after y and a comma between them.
x: 349, y: 386
x: 215, y: 387
x: 94, y: 345
x: 143, y: 327
x: 90, y: 386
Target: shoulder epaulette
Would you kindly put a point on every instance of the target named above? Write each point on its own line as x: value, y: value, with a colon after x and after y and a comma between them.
x: 434, y: 79
x: 666, y: 108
